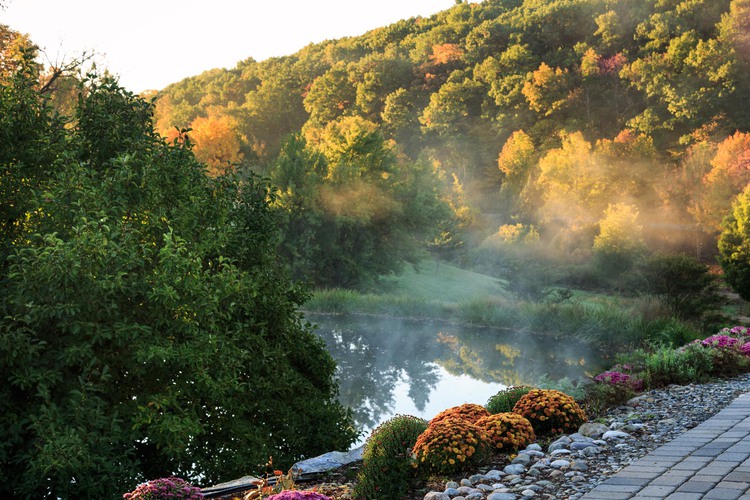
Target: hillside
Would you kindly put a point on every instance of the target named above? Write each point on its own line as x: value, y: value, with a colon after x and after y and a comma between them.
x: 542, y: 117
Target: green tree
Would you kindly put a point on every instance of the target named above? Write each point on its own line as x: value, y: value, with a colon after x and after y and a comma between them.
x: 331, y: 96
x: 353, y: 212
x: 146, y: 328
x: 734, y: 245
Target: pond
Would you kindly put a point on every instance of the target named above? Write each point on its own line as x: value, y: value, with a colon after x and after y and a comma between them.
x: 391, y: 366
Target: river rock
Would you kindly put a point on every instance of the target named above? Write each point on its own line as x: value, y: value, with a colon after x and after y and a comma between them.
x: 616, y: 435
x: 593, y: 429
x: 514, y: 469
x: 502, y: 496
x: 436, y: 495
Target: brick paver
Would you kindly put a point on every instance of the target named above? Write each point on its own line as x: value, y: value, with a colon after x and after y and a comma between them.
x: 710, y: 461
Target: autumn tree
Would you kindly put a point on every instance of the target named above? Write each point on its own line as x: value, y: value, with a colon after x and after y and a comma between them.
x: 548, y: 90
x: 729, y: 174
x: 216, y: 143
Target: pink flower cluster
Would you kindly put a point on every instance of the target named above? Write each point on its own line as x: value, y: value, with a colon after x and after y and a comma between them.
x: 720, y: 341
x: 298, y: 495
x: 172, y: 488
x: 613, y: 378
x: 745, y: 348
x: 736, y: 331
x: 619, y: 378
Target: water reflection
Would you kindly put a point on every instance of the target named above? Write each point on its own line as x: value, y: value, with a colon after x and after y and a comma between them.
x: 391, y: 366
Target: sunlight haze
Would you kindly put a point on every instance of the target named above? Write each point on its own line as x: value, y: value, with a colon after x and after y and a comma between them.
x: 152, y: 44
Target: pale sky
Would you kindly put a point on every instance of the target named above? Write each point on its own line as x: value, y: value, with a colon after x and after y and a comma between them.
x: 151, y: 44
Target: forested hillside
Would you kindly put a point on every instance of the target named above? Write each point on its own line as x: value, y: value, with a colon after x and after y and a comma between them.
x: 584, y: 124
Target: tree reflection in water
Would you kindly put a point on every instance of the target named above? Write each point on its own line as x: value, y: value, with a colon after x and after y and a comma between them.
x: 375, y: 355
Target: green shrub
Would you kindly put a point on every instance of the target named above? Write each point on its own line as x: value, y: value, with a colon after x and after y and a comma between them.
x: 387, y: 464
x: 684, y: 284
x: 550, y: 411
x: 468, y: 411
x: 611, y: 388
x: 505, y: 399
x: 450, y: 446
x: 508, y: 431
x: 665, y: 365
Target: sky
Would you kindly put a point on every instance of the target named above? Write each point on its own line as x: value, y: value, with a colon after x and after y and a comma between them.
x: 150, y: 44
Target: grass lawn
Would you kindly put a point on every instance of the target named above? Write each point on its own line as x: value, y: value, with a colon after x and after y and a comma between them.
x: 446, y: 283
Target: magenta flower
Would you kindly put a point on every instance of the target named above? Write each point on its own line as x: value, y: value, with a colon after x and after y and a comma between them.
x: 164, y: 488
x: 720, y: 341
x: 619, y: 378
x: 612, y: 378
x: 736, y: 331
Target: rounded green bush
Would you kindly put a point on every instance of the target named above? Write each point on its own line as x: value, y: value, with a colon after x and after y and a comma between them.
x: 504, y: 400
x: 386, y: 463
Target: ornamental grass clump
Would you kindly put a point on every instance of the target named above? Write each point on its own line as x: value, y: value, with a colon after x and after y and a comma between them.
x: 550, y: 411
x: 503, y: 401
x: 387, y: 463
x: 507, y: 431
x: 167, y: 488
x: 450, y: 446
x: 468, y: 411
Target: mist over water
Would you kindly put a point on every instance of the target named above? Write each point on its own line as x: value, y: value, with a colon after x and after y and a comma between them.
x: 392, y: 366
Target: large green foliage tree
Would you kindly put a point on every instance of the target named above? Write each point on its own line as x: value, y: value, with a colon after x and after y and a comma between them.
x: 734, y: 245
x: 146, y: 326
x: 351, y: 212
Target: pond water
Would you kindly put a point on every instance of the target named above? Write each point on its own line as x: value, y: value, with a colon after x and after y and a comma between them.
x: 390, y: 366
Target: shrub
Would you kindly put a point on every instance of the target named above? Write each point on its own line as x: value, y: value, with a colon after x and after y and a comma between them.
x: 386, y: 467
x: 503, y: 401
x: 168, y: 488
x: 468, y: 411
x: 683, y: 283
x: 550, y: 411
x: 451, y: 445
x: 691, y: 363
x: 611, y: 388
x: 508, y: 431
x: 298, y: 495
x: 729, y: 360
